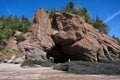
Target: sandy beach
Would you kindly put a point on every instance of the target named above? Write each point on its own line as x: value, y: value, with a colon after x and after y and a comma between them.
x: 15, y: 72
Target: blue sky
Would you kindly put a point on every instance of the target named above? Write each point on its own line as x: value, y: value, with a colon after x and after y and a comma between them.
x: 107, y: 10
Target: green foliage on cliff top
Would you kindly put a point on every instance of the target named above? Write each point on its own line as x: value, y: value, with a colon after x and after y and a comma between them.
x: 116, y: 38
x: 83, y: 12
x: 8, y: 26
x: 6, y: 53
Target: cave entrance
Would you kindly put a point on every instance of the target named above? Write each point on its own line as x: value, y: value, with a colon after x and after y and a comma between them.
x: 57, y: 53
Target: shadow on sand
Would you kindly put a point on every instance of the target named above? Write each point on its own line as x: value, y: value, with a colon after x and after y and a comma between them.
x: 36, y: 63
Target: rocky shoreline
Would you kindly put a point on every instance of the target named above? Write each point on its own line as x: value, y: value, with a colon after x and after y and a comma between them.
x: 63, y: 42
x: 15, y: 72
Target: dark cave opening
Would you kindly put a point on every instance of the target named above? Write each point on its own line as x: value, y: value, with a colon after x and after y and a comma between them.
x: 57, y: 53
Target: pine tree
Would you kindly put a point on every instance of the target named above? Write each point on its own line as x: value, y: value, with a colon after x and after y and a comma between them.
x: 86, y: 15
x: 99, y: 24
x: 9, y: 25
x: 70, y: 7
x: 116, y: 38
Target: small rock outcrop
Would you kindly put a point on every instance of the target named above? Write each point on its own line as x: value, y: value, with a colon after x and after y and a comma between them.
x: 68, y: 36
x: 12, y: 43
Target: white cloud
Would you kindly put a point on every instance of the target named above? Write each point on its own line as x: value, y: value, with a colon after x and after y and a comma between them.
x: 112, y: 17
x: 8, y: 11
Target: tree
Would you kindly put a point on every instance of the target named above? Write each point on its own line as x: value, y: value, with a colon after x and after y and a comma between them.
x: 86, y: 15
x: 23, y: 26
x: 116, y: 38
x: 9, y: 25
x: 20, y: 38
x: 70, y: 7
x: 78, y: 11
x: 52, y: 12
x: 99, y: 24
x: 2, y: 18
x: 9, y: 21
x: 23, y: 18
x: 16, y: 22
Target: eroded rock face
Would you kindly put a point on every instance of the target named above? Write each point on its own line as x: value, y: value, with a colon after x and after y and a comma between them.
x: 39, y: 37
x: 81, y: 41
x: 41, y: 30
x: 67, y: 36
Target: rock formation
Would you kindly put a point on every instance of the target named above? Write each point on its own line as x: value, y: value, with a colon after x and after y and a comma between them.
x: 12, y: 46
x: 81, y: 41
x: 90, y: 68
x: 67, y: 36
x: 39, y: 37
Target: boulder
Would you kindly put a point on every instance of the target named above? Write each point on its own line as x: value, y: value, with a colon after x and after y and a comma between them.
x: 19, y: 60
x: 81, y: 41
x: 11, y: 60
x: 3, y: 58
x: 35, y: 54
